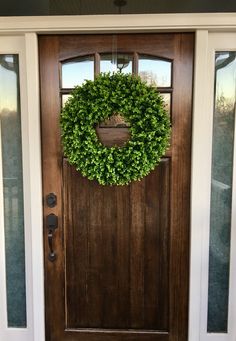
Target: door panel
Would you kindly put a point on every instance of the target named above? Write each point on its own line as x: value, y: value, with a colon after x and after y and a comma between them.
x: 119, y: 250
x: 121, y: 271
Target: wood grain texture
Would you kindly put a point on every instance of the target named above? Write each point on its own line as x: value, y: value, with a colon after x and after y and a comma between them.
x: 180, y: 191
x: 51, y: 161
x: 116, y: 262
x: 114, y: 335
x: 113, y: 136
x: 122, y: 270
x: 72, y: 46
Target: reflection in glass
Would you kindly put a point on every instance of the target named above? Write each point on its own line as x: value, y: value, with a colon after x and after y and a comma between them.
x: 167, y: 100
x: 221, y: 191
x: 10, y: 134
x: 64, y: 99
x: 75, y: 72
x: 116, y: 62
x: 154, y: 71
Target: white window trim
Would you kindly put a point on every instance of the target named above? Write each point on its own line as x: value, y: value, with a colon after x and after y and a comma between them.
x: 199, y: 180
x: 202, y: 24
x: 126, y: 23
x: 216, y: 42
x: 16, y: 45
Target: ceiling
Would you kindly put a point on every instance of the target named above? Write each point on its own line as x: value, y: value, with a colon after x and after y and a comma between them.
x: 83, y: 7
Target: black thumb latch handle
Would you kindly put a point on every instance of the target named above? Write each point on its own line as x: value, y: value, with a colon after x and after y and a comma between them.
x: 52, y: 224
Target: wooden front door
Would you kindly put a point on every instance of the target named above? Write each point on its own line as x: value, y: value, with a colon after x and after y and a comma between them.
x: 122, y: 252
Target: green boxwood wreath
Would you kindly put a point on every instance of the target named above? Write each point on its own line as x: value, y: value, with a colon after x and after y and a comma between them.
x: 93, y: 102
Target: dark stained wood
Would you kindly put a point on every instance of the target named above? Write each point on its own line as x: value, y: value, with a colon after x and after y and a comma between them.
x: 97, y: 63
x: 156, y: 272
x: 137, y: 229
x: 71, y: 46
x: 115, y: 335
x: 51, y: 160
x: 113, y: 136
x: 122, y: 270
x: 180, y: 192
x: 116, y: 252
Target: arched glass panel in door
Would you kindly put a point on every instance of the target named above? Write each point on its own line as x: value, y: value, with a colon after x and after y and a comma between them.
x: 76, y: 71
x: 116, y: 62
x: 154, y: 70
x: 158, y: 73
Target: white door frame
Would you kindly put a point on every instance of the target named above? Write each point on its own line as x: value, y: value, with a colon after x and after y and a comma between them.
x: 16, y: 45
x: 201, y: 194
x: 25, y: 29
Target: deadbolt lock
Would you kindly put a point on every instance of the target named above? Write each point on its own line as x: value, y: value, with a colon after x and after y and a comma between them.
x: 51, y: 200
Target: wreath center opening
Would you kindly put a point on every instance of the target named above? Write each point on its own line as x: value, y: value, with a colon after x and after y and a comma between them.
x: 114, y: 131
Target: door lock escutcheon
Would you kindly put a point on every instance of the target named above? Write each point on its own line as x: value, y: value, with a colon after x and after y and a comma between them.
x: 51, y: 200
x: 52, y: 225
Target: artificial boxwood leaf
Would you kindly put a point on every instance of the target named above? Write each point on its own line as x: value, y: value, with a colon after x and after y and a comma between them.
x: 95, y: 101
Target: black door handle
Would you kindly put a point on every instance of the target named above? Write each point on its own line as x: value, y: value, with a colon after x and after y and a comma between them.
x: 52, y: 224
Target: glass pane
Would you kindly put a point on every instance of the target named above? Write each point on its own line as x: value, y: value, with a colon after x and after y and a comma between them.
x: 116, y: 62
x: 64, y: 99
x: 167, y: 99
x: 75, y: 72
x: 155, y: 71
x: 221, y: 191
x: 13, y: 190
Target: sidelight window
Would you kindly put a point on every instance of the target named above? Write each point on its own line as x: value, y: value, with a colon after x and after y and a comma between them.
x: 221, y: 191
x: 11, y: 187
